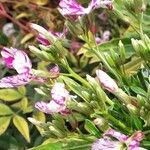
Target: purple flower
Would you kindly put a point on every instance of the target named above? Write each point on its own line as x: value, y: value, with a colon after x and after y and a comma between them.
x: 16, y: 80
x: 131, y: 143
x: 105, y: 37
x: 106, y: 81
x: 119, y: 136
x: 58, y: 103
x: 59, y: 93
x: 106, y: 144
x: 101, y: 4
x: 16, y: 59
x: 72, y: 8
x: 41, y: 38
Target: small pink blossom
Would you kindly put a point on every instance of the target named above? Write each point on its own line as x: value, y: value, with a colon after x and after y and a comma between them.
x: 106, y: 144
x: 59, y: 93
x: 16, y: 59
x: 123, y: 141
x: 106, y: 81
x: 105, y: 37
x: 50, y: 108
x: 119, y: 136
x: 43, y: 33
x: 72, y: 8
x: 16, y: 80
x: 58, y: 103
x: 55, y: 70
x: 101, y: 4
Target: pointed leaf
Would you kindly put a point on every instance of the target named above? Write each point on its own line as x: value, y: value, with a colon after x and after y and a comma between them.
x: 10, y: 95
x: 22, y: 125
x: 5, y: 110
x: 4, y: 123
x: 91, y: 128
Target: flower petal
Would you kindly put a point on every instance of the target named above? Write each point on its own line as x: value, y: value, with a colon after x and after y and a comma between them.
x: 16, y: 80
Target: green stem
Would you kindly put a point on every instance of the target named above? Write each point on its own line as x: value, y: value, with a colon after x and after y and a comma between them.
x: 74, y: 75
x: 118, y: 123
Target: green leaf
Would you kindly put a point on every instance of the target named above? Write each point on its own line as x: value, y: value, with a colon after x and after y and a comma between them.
x: 50, y: 146
x: 77, y: 88
x: 3, y: 39
x: 22, y: 90
x: 138, y: 90
x: 91, y: 128
x: 137, y: 123
x: 40, y: 116
x: 4, y: 123
x: 10, y: 95
x: 22, y: 125
x: 5, y: 110
x: 65, y: 144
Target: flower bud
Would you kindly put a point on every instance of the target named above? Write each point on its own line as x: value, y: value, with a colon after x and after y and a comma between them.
x: 106, y: 81
x: 101, y: 123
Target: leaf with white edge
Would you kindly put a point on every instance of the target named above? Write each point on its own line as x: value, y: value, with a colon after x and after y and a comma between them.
x: 5, y: 110
x: 22, y: 125
x: 4, y: 123
x: 10, y: 95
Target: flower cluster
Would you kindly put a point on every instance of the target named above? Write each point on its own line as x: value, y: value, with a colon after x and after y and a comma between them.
x: 132, y: 143
x: 58, y: 103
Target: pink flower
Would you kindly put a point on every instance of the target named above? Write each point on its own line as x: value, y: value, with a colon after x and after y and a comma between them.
x: 105, y: 37
x: 72, y: 8
x: 119, y: 136
x: 106, y: 81
x: 106, y: 144
x: 16, y: 80
x: 101, y: 4
x: 131, y: 143
x: 16, y: 59
x: 54, y: 71
x: 59, y: 93
x: 58, y: 103
x: 43, y: 33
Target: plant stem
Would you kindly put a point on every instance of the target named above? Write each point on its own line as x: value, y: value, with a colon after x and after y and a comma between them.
x: 118, y: 123
x: 74, y: 75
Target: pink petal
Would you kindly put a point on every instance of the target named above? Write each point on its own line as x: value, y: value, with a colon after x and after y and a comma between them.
x: 16, y: 80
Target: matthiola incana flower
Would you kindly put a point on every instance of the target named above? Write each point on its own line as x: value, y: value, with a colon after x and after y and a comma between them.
x: 106, y: 81
x: 58, y: 103
x: 122, y: 141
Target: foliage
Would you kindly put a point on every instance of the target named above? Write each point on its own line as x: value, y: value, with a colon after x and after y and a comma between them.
x: 124, y: 56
